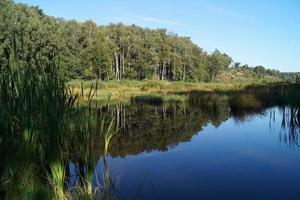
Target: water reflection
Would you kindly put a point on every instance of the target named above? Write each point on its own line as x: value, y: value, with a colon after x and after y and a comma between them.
x: 289, y: 133
x: 147, y: 128
x: 144, y: 128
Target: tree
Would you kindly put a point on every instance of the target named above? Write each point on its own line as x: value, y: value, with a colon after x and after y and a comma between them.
x: 260, y: 71
x: 88, y: 54
x: 103, y: 56
x: 86, y: 50
x: 28, y: 38
x: 237, y: 64
x: 70, y: 39
x: 217, y: 62
x: 164, y: 53
x: 297, y: 81
x: 4, y: 3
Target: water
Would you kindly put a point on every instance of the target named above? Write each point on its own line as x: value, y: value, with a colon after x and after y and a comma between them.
x: 202, y: 150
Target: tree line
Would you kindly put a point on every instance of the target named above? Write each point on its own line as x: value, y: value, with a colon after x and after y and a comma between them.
x: 85, y: 50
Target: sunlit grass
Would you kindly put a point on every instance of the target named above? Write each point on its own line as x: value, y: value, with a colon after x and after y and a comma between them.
x: 123, y: 91
x: 56, y: 180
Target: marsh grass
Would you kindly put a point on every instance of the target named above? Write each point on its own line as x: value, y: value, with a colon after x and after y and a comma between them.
x: 88, y: 127
x: 33, y: 102
x: 56, y: 179
x: 38, y: 120
x: 126, y: 90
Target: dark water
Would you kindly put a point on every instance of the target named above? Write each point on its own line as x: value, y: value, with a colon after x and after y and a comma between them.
x: 216, y: 146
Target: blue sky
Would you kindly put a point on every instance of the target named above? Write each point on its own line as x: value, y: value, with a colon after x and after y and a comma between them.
x: 254, y: 32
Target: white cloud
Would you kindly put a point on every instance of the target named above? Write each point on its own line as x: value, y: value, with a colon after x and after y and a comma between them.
x: 161, y: 21
x: 232, y: 14
x: 226, y: 12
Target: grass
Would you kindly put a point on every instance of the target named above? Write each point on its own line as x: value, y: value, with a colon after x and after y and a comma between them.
x: 153, y: 90
x: 56, y: 180
x: 36, y: 110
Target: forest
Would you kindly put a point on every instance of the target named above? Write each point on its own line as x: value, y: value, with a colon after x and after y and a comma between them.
x: 85, y: 50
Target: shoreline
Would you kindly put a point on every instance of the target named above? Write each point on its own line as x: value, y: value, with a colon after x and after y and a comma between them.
x: 124, y: 91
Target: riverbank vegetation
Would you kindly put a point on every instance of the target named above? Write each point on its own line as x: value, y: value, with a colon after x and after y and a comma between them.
x: 40, y: 119
x: 44, y: 129
x: 126, y: 90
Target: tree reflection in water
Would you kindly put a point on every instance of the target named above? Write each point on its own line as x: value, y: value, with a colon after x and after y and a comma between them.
x: 290, y: 130
x: 147, y: 127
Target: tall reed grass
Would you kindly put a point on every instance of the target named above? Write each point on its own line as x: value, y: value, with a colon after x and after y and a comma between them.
x: 39, y: 119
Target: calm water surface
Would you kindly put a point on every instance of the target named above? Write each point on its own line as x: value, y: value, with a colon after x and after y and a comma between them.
x: 202, y: 151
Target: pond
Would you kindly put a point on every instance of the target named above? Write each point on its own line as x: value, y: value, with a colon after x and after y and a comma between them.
x: 214, y: 146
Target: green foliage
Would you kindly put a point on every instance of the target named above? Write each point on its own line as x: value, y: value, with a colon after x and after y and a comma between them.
x: 290, y: 77
x: 217, y: 62
x: 56, y: 179
x: 114, y: 52
x: 260, y: 71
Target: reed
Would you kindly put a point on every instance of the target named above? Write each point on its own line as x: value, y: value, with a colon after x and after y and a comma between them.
x: 38, y: 121
x: 125, y: 90
x: 33, y: 103
x: 56, y: 180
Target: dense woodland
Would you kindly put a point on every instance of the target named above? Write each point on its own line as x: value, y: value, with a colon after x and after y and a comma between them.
x: 30, y: 38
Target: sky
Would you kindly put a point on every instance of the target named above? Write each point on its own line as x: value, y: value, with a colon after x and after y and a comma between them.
x: 254, y: 32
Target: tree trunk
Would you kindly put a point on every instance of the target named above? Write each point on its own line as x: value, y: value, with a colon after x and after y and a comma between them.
x: 174, y: 75
x: 123, y: 64
x: 163, y: 71
x: 183, y: 71
x: 117, y: 66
